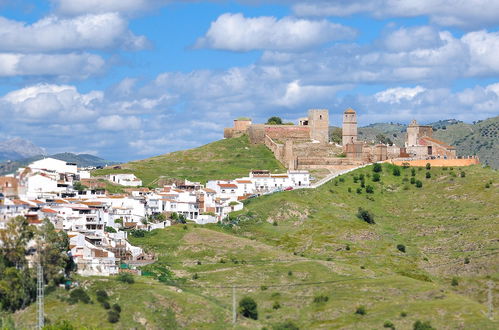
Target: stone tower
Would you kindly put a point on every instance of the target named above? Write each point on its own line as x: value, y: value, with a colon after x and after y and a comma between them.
x: 318, y: 120
x: 415, y: 132
x: 349, y: 126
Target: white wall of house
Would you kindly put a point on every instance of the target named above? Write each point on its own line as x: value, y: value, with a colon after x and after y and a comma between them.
x: 52, y: 164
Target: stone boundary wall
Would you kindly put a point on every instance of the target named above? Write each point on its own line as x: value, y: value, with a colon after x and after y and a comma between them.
x: 438, y: 162
x: 277, y: 149
x: 304, y: 163
x: 284, y: 132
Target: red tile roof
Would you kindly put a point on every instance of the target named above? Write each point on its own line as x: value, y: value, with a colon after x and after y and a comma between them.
x: 227, y: 185
x: 44, y: 210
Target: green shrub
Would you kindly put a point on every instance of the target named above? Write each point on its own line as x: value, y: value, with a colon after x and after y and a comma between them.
x: 487, y: 185
x: 388, y: 324
x: 454, y: 281
x: 288, y: 325
x: 428, y: 175
x: 290, y: 273
x: 117, y: 308
x: 369, y: 189
x: 106, y: 305
x: 113, y: 316
x: 413, y: 172
x: 413, y: 180
x: 376, y: 177
x: 321, y: 299
x: 401, y: 247
x: 342, y: 179
x: 377, y: 168
x: 361, y: 310
x: 347, y: 247
x: 264, y: 287
x: 418, y: 325
x: 359, y: 190
x: 248, y: 308
x: 126, y: 278
x: 195, y: 276
x: 79, y: 295
x: 466, y: 260
x: 109, y: 229
x: 349, y: 189
x: 428, y: 166
x: 444, y: 168
x: 396, y: 171
x: 366, y: 216
x: 101, y: 295
x: 453, y: 174
x: 276, y: 305
x: 59, y: 325
x: 463, y: 174
x: 419, y: 184
x: 403, y: 314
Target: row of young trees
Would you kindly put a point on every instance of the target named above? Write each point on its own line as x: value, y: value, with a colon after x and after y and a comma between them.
x: 21, y: 243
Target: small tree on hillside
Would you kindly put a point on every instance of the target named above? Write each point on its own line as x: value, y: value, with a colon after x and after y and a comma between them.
x: 428, y: 166
x: 274, y: 121
x: 365, y: 215
x: 248, y: 308
x: 377, y: 168
x: 396, y: 171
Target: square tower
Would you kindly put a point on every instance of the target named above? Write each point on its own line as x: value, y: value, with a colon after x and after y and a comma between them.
x: 349, y: 126
x: 318, y: 121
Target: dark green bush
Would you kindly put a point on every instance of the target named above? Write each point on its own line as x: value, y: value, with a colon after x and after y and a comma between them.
x: 359, y: 190
x: 428, y: 175
x: 401, y: 247
x: 79, y: 295
x: 413, y: 180
x: 376, y: 177
x: 126, y: 278
x: 321, y: 299
x: 418, y: 325
x: 419, y: 184
x: 365, y: 215
x: 113, y: 316
x: 106, y: 305
x: 396, y: 171
x: 195, y: 276
x: 413, y: 172
x: 428, y: 166
x: 248, y: 308
x: 403, y: 314
x: 361, y: 310
x: 377, y: 168
x: 454, y: 282
x: 369, y: 189
x: 276, y: 305
x: 463, y: 174
x: 117, y: 308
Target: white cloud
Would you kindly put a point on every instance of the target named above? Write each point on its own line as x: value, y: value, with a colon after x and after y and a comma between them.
x: 460, y: 13
x: 484, y: 50
x: 103, y: 31
x: 296, y: 94
x: 78, y: 7
x: 118, y: 123
x: 51, y: 103
x: 395, y: 95
x: 63, y: 65
x: 237, y: 33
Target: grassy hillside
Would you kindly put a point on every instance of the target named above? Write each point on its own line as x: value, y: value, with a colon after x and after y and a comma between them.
x: 224, y: 159
x: 305, y: 257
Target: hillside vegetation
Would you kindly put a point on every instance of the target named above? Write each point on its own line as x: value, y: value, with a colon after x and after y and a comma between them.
x: 305, y: 257
x: 224, y: 159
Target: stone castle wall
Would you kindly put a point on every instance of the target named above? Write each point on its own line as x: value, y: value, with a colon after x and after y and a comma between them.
x: 283, y: 132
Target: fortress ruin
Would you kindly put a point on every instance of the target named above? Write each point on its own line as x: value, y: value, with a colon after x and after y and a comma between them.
x: 307, y: 145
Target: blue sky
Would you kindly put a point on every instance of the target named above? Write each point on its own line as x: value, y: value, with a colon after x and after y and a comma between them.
x: 128, y: 79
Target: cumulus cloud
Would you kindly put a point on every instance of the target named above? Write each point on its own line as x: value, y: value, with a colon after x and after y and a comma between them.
x: 461, y: 13
x: 78, y: 7
x: 235, y: 32
x: 103, y: 31
x: 397, y: 94
x: 63, y: 65
x: 51, y: 103
x: 118, y: 123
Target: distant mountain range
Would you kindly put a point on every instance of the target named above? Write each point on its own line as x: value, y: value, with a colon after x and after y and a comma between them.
x: 17, y: 149
x: 17, y: 153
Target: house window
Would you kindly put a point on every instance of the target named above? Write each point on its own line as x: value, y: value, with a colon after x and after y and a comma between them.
x: 320, y: 117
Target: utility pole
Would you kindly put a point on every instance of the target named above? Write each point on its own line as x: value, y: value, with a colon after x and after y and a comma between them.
x: 39, y: 297
x: 234, y: 314
x: 489, y: 300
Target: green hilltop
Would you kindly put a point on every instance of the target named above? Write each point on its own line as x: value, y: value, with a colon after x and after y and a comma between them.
x: 224, y: 159
x: 307, y: 260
